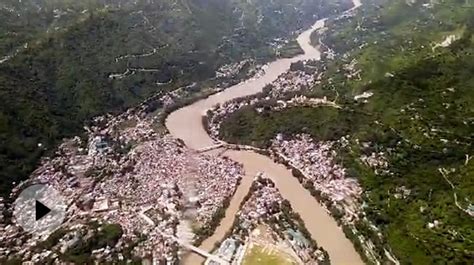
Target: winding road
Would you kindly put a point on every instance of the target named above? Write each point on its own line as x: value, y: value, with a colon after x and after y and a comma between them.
x: 186, y: 124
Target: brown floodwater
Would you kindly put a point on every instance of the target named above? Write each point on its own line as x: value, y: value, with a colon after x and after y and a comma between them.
x: 186, y: 124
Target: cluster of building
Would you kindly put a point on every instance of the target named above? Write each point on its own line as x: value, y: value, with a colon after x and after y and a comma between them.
x: 377, y: 161
x: 351, y: 71
x: 163, y: 165
x: 230, y: 70
x: 172, y: 97
x: 316, y: 161
x: 264, y: 220
x: 231, y: 249
x: 121, y: 170
x: 2, y: 208
x: 364, y: 96
x: 301, y: 101
x: 264, y: 202
x: 287, y: 83
x: 226, y: 75
x: 218, y: 113
x: 292, y: 81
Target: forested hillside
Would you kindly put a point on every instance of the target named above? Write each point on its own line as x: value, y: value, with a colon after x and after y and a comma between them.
x: 63, y: 62
x: 417, y: 58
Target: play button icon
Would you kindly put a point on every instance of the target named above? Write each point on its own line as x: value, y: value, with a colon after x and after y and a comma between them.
x: 39, y: 209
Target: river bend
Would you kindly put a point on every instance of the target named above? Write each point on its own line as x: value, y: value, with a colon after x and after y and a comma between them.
x: 186, y: 124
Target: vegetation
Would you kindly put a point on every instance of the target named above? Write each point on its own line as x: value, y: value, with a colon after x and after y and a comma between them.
x: 421, y: 116
x: 53, y: 239
x: 57, y: 58
x: 105, y: 235
x: 249, y: 127
x: 260, y: 255
x: 290, y: 49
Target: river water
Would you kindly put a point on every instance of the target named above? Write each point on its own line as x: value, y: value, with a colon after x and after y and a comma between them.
x: 186, y: 124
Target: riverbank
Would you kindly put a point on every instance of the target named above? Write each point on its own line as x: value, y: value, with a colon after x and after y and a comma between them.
x: 186, y: 124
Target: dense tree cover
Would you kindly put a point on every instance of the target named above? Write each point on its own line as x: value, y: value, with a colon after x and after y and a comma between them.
x: 249, y: 127
x: 60, y: 79
x: 421, y: 116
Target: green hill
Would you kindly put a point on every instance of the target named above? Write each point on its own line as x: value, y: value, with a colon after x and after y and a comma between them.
x: 421, y: 115
x: 57, y: 55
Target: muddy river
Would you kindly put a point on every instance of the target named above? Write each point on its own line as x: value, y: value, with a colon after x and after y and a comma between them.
x: 186, y: 124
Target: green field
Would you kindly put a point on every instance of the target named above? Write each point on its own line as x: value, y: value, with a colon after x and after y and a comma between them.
x: 258, y: 255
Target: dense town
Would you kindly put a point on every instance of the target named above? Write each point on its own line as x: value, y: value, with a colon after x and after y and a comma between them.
x: 152, y: 198
x: 316, y: 160
x: 267, y: 225
x: 123, y: 169
x: 123, y: 172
